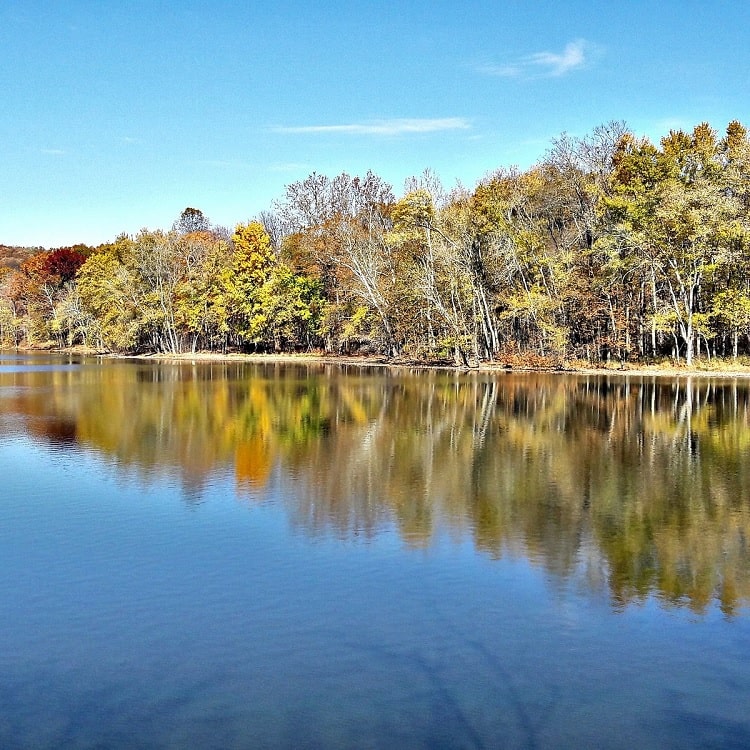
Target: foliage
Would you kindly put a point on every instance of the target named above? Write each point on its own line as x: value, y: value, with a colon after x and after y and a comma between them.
x: 610, y: 248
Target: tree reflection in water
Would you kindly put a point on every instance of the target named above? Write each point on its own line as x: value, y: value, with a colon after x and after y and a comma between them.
x: 637, y: 485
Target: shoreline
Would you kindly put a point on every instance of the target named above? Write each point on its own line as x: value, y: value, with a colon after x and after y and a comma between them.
x: 704, y: 370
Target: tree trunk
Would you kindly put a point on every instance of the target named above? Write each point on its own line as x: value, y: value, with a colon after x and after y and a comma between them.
x: 689, y: 345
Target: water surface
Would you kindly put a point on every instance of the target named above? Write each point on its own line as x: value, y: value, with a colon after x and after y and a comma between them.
x: 233, y: 555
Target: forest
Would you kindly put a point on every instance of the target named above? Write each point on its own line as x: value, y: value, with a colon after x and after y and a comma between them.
x: 608, y: 249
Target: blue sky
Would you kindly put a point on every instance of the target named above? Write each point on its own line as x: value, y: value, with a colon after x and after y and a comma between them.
x: 117, y: 115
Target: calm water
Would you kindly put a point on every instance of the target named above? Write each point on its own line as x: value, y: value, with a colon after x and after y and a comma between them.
x: 249, y: 556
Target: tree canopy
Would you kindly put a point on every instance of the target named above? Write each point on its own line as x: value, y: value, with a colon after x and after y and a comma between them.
x: 610, y: 247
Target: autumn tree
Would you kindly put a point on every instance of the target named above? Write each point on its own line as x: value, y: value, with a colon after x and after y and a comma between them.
x: 442, y: 289
x: 670, y: 207
x: 608, y: 247
x: 513, y: 222
x: 242, y: 280
x: 341, y: 226
x: 37, y: 287
x: 110, y: 293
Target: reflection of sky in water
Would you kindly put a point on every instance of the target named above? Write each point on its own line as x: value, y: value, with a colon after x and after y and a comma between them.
x: 131, y: 618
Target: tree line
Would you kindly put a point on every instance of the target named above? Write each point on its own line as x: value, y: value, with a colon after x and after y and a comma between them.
x: 610, y: 247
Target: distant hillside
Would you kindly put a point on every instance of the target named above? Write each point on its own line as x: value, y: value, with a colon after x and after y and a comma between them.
x: 12, y: 257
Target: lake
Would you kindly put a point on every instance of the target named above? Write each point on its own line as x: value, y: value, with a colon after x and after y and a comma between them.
x: 250, y: 555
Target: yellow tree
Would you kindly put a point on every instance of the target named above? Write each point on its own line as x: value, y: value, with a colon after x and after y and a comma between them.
x: 670, y: 207
x: 441, y: 289
x: 251, y: 262
x: 110, y: 295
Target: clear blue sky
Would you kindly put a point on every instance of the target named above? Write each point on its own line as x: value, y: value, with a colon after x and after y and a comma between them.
x: 117, y: 115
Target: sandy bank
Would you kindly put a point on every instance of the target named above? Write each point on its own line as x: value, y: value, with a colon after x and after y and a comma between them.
x: 714, y: 369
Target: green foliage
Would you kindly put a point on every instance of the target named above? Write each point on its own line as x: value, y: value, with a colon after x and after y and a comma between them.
x: 292, y: 304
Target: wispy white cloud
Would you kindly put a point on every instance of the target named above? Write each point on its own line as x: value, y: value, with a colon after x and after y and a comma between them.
x: 576, y: 55
x: 401, y: 126
x: 502, y: 71
x: 558, y: 64
x: 53, y: 151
